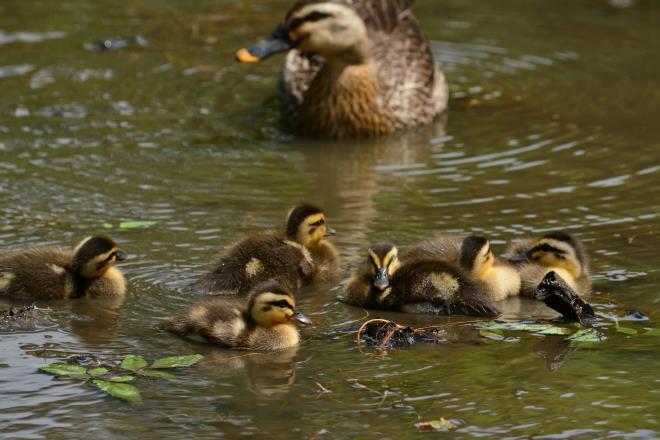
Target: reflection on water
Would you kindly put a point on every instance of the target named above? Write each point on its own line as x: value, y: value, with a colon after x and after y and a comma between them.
x: 547, y: 130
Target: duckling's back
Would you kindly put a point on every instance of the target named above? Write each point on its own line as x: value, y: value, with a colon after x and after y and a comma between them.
x: 254, y: 260
x: 36, y: 273
x: 447, y: 248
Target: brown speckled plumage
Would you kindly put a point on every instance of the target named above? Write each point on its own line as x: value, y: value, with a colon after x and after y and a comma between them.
x: 397, y: 86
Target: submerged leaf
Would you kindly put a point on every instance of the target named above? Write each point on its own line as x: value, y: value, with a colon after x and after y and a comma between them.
x: 125, y: 378
x: 496, y: 336
x: 136, y: 224
x: 155, y: 374
x: 586, y: 335
x: 177, y: 361
x: 120, y: 390
x: 627, y: 330
x: 514, y: 326
x: 552, y: 330
x: 133, y: 362
x: 99, y: 371
x: 60, y: 369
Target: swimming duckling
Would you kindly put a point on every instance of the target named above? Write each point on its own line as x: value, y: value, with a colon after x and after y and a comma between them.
x: 264, y: 322
x: 298, y: 256
x: 354, y: 69
x: 53, y: 273
x: 473, y: 254
x: 557, y: 251
x: 423, y: 285
x: 499, y: 278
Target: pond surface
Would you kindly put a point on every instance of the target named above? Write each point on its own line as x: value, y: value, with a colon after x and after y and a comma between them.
x: 553, y: 125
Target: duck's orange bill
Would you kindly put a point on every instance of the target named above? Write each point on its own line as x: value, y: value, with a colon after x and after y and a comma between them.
x: 244, y: 56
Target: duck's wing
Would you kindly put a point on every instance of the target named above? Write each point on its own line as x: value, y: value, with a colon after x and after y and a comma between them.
x: 411, y: 84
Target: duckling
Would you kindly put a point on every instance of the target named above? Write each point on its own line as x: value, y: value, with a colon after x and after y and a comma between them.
x: 264, y: 322
x: 53, y: 273
x: 500, y: 279
x: 354, y: 68
x: 473, y: 254
x: 557, y: 251
x: 298, y: 256
x: 422, y: 285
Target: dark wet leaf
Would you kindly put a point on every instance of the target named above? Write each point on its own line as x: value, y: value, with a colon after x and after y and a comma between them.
x: 100, y: 371
x: 120, y: 390
x: 156, y: 374
x: 177, y: 361
x: 133, y: 362
x: 60, y: 369
x: 124, y: 378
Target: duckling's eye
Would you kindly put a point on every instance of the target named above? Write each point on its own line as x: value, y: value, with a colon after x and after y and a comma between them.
x: 318, y: 223
x: 281, y: 303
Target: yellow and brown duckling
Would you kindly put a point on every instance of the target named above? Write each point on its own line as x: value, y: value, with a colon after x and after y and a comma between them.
x: 556, y: 251
x: 419, y: 285
x: 297, y: 256
x: 354, y: 68
x: 474, y: 255
x: 266, y: 321
x: 499, y: 278
x: 53, y: 273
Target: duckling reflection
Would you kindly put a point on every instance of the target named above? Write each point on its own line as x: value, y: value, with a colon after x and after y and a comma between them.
x: 295, y: 257
x: 557, y: 251
x: 266, y: 374
x: 95, y: 320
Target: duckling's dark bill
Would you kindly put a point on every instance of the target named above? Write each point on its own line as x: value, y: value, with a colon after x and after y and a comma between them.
x: 277, y: 42
x: 299, y: 317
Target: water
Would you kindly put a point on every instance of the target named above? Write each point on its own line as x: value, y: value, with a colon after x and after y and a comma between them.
x: 553, y: 124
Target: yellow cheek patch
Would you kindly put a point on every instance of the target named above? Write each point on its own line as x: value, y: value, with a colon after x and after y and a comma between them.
x: 375, y: 258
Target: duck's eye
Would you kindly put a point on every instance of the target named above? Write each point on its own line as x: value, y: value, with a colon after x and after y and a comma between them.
x: 318, y: 223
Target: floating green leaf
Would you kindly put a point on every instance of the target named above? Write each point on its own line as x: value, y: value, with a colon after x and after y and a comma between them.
x: 136, y: 224
x: 627, y: 330
x: 586, y: 335
x: 100, y: 371
x: 107, y: 225
x: 124, y: 378
x: 133, y: 362
x: 177, y: 361
x: 155, y: 374
x: 514, y: 326
x: 120, y: 390
x: 60, y: 369
x: 555, y: 331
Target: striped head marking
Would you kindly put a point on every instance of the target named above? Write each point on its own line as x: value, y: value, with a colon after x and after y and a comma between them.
x: 384, y: 261
x: 329, y: 28
x: 306, y: 225
x: 476, y: 255
x: 558, y: 249
x: 94, y: 256
x: 271, y: 304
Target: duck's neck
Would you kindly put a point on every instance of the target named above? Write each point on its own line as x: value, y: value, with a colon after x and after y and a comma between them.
x: 344, y: 101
